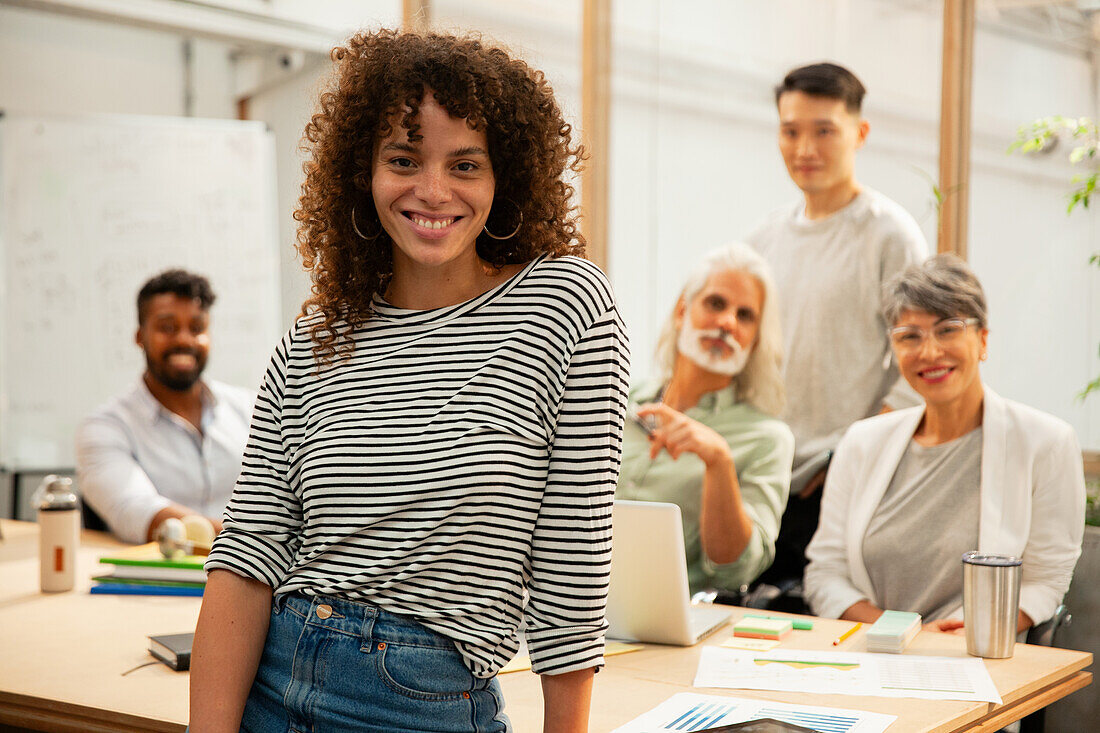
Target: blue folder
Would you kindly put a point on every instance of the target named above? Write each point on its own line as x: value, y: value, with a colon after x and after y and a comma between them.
x: 127, y: 589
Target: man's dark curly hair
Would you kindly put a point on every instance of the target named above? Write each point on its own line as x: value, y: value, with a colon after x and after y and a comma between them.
x: 379, y: 79
x: 177, y: 282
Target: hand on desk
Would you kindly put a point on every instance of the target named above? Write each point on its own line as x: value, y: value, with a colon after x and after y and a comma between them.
x: 955, y: 625
x: 177, y: 511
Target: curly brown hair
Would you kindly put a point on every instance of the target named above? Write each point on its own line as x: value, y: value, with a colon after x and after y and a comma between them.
x: 378, y: 76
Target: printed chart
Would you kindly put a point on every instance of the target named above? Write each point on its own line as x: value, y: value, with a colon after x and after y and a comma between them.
x: 847, y: 673
x: 691, y: 712
x: 702, y: 715
x: 918, y: 674
x: 833, y: 721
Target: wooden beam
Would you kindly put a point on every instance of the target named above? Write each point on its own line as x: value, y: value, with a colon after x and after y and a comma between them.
x: 955, y: 97
x: 596, y: 125
x: 416, y: 15
x: 1092, y: 464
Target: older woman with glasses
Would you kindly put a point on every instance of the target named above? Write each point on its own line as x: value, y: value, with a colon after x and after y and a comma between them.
x: 910, y: 491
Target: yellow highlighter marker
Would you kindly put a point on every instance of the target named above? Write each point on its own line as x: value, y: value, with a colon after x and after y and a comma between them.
x: 847, y: 633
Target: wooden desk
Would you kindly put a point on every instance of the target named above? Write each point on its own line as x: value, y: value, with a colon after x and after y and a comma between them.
x: 62, y: 657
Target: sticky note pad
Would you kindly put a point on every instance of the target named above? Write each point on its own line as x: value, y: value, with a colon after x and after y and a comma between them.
x: 893, y: 631
x: 799, y: 624
x: 762, y: 628
x: 754, y: 645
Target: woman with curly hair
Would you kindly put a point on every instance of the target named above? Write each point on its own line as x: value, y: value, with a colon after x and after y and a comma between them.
x: 436, y: 442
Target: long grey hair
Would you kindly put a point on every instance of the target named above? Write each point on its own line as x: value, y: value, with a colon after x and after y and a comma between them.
x: 761, y: 382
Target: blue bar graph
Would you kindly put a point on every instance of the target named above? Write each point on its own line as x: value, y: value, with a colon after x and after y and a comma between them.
x: 701, y: 717
x: 710, y: 713
x: 830, y: 723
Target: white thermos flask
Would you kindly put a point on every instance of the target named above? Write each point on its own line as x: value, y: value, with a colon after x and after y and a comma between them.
x: 58, y: 532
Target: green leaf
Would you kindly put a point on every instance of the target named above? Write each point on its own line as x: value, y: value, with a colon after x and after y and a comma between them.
x: 1093, y: 386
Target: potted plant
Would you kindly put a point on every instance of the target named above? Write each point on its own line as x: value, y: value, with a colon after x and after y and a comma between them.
x: 1083, y: 598
x: 1043, y: 134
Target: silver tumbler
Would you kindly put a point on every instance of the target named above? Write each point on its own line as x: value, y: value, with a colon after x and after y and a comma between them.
x: 991, y: 600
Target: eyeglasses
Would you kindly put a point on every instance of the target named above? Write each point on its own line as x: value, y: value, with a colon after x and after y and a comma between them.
x: 911, y: 338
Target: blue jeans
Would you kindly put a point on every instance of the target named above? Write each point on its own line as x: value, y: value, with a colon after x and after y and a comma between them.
x: 335, y: 665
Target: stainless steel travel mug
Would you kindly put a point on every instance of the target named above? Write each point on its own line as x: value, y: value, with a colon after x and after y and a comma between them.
x: 991, y: 601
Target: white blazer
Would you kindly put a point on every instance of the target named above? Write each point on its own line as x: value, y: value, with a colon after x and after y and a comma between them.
x: 1032, y: 503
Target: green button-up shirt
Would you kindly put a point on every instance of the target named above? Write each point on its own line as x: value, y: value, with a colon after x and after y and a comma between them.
x: 762, y: 448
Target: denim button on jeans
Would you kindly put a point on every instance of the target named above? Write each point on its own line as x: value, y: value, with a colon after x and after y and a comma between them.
x: 335, y: 665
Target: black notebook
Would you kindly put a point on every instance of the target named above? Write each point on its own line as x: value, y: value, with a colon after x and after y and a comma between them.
x: 172, y: 649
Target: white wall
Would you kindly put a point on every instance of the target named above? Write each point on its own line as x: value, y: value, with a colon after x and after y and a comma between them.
x: 286, y: 108
x: 693, y: 152
x: 51, y: 64
x: 1044, y: 299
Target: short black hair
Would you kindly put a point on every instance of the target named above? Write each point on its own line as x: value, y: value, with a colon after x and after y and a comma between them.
x: 177, y: 282
x: 824, y: 80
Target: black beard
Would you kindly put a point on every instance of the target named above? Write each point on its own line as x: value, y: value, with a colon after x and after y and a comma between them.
x: 181, y: 383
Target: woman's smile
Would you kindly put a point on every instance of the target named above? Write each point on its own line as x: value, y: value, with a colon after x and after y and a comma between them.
x: 431, y: 226
x: 936, y: 374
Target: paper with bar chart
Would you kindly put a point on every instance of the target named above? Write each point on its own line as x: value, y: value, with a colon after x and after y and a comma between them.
x: 688, y: 711
x: 847, y: 673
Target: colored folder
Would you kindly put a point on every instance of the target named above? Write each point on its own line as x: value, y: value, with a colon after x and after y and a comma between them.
x: 132, y: 589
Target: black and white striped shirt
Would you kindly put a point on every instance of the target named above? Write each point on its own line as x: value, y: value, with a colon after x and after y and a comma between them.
x: 462, y: 458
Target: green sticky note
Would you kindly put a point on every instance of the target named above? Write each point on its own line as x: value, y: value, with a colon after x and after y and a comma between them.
x: 796, y: 623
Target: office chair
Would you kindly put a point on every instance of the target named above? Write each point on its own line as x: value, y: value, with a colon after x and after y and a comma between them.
x: 1044, y: 634
x: 91, y: 519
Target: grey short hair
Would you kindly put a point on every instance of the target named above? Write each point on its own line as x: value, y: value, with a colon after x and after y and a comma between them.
x: 943, y: 285
x: 761, y: 382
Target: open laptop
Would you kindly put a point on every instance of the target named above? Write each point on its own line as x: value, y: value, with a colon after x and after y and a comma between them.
x: 648, y: 596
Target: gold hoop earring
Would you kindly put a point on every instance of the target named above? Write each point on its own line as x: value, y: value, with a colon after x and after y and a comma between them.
x: 361, y: 235
x: 514, y: 232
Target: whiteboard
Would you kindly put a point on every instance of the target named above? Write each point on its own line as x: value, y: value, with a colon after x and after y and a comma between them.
x: 90, y: 208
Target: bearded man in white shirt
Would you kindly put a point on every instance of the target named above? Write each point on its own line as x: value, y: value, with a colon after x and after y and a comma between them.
x: 172, y: 445
x: 830, y: 253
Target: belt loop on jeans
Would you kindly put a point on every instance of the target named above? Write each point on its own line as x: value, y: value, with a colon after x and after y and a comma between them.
x: 366, y: 631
